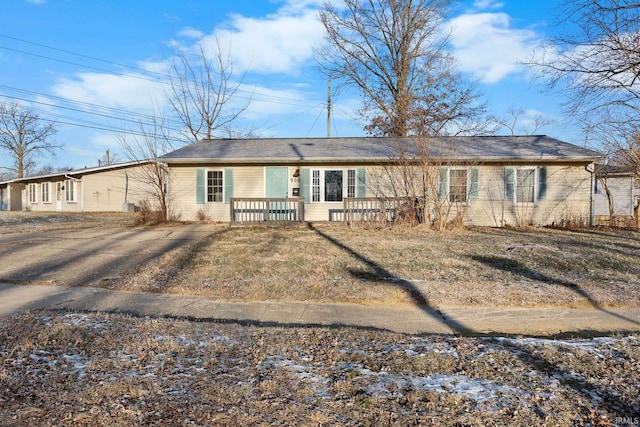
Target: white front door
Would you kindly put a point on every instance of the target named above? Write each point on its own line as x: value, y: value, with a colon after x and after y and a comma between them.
x: 59, y: 196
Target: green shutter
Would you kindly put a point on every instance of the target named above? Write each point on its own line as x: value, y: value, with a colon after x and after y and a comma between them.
x: 361, y: 188
x: 474, y: 179
x: 305, y: 184
x: 228, y: 185
x: 509, y: 183
x: 201, y: 188
x: 443, y: 184
x: 542, y: 183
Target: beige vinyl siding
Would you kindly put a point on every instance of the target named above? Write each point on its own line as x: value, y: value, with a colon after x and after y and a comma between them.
x: 567, y: 198
x: 248, y: 181
x: 102, y: 191
x: 567, y: 195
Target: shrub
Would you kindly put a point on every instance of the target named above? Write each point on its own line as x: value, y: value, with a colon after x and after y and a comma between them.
x: 147, y: 215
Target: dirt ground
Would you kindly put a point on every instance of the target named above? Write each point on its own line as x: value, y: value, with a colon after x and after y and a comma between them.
x: 84, y: 250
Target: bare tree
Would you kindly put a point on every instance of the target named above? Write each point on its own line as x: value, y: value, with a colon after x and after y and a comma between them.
x: 596, y: 61
x: 394, y: 52
x: 203, y: 93
x: 434, y: 181
x: 520, y: 122
x: 24, y: 135
x: 146, y: 146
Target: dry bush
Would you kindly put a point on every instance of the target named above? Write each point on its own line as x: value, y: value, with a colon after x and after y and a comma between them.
x: 147, y: 215
x: 202, y: 216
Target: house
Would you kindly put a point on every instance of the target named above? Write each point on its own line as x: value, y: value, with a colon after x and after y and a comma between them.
x: 109, y: 188
x: 486, y: 180
x: 621, y: 185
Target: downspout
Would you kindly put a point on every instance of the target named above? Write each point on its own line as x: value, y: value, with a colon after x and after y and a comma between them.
x: 589, y: 168
x: 126, y: 187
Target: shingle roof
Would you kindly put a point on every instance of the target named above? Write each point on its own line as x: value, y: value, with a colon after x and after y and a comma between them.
x: 370, y: 149
x: 79, y: 172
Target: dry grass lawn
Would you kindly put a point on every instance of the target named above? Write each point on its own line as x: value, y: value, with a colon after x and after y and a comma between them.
x: 510, y: 267
x: 331, y: 263
x: 87, y: 369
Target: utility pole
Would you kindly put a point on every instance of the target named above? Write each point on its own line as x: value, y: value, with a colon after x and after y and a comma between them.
x: 329, y: 108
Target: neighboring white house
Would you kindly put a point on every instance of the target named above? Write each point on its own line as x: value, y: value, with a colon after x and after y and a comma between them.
x: 491, y: 180
x: 621, y: 184
x: 110, y: 188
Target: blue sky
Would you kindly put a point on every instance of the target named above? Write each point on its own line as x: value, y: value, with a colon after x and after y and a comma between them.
x: 87, y: 63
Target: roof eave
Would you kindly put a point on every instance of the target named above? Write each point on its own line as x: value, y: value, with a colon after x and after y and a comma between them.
x: 373, y: 160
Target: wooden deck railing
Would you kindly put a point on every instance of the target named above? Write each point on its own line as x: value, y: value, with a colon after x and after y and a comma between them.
x: 371, y: 209
x: 262, y: 210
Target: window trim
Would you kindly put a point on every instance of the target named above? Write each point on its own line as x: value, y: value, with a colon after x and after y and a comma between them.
x: 33, y: 193
x: 471, y: 193
x: 45, y: 192
x: 70, y: 189
x: 318, y: 180
x: 535, y: 185
x: 467, y: 186
x: 206, y: 186
x: 539, y: 184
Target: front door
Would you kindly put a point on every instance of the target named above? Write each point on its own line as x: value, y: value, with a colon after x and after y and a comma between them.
x: 277, y: 187
x: 59, y: 192
x: 277, y: 182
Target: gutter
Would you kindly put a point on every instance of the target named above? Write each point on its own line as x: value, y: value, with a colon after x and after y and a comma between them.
x: 365, y: 160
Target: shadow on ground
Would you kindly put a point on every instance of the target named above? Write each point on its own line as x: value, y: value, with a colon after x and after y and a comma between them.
x: 611, y: 401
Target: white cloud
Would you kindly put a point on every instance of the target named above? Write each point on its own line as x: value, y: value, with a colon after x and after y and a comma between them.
x: 487, y: 4
x: 487, y: 46
x: 38, y: 2
x: 266, y: 102
x: 278, y: 43
x: 191, y: 32
x: 134, y: 92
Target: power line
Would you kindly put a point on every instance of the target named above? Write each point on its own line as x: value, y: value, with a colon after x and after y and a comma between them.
x: 138, y: 122
x: 164, y: 77
x: 116, y: 113
x: 107, y: 111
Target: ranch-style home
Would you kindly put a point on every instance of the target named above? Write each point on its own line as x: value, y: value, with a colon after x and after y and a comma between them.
x: 486, y: 180
x: 110, y: 188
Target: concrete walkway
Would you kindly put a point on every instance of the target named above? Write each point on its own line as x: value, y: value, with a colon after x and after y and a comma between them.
x: 412, y: 320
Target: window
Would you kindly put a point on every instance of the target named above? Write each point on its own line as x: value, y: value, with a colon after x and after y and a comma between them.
x: 214, y: 186
x: 33, y: 193
x: 525, y: 184
x: 315, y: 188
x: 332, y: 185
x: 45, y: 193
x: 458, y: 185
x: 351, y: 183
x: 70, y: 190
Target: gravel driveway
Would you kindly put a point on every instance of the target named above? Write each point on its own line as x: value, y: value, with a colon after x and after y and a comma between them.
x: 88, y: 256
